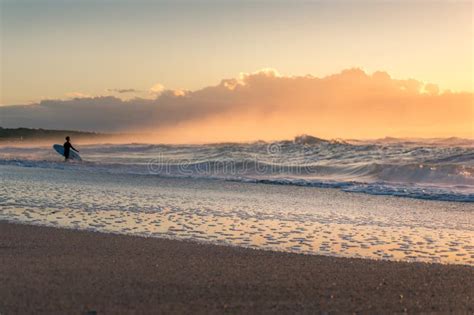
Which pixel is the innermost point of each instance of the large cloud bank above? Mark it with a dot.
(265, 105)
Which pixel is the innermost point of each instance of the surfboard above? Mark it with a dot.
(73, 155)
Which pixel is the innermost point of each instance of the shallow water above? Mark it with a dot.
(275, 217)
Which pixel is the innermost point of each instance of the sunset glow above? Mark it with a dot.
(236, 156)
(232, 71)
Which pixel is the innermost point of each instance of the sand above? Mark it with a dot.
(50, 270)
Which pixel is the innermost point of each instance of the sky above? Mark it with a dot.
(140, 52)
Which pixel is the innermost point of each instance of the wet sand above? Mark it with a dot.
(276, 217)
(49, 270)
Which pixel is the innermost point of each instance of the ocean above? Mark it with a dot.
(393, 200)
(425, 169)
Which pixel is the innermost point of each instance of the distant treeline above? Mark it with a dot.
(27, 134)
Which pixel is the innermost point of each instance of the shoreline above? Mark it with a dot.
(54, 270)
(219, 244)
(296, 219)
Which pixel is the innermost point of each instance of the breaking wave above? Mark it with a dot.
(436, 171)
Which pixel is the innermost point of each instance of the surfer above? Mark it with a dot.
(67, 147)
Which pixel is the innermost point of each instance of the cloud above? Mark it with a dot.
(157, 89)
(266, 105)
(123, 91)
(77, 95)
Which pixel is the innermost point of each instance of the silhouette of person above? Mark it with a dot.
(67, 148)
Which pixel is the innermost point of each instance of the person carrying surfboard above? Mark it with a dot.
(67, 147)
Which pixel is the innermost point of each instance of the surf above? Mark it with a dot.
(435, 170)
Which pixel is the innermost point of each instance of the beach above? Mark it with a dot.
(125, 233)
(51, 270)
(236, 157)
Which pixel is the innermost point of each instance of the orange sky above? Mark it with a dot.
(55, 49)
(171, 68)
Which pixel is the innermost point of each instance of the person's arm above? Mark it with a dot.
(74, 148)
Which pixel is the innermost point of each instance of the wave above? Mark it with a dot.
(425, 172)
